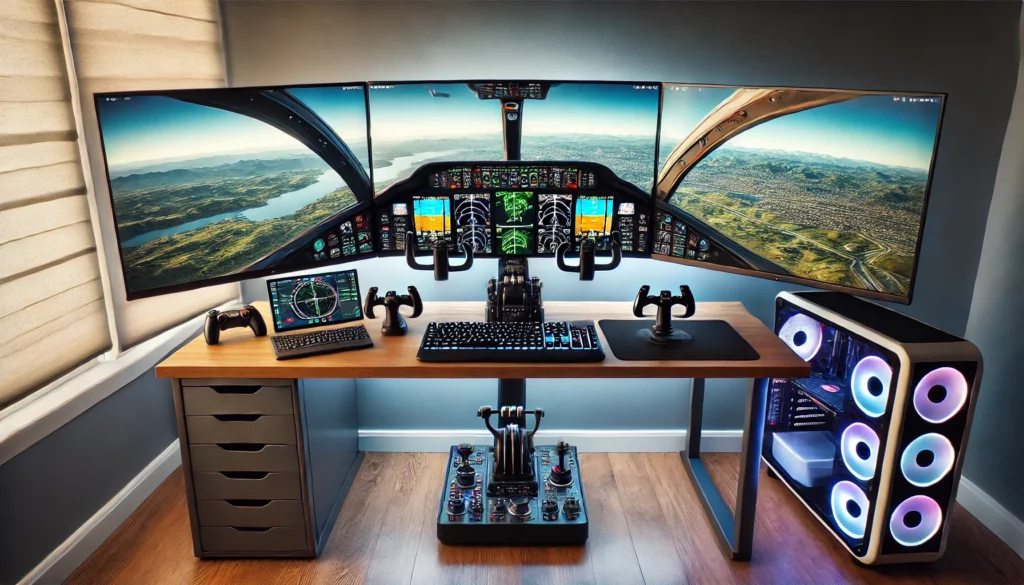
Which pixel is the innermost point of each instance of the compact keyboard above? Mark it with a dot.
(324, 341)
(472, 341)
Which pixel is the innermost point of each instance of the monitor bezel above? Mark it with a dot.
(800, 280)
(132, 295)
(270, 299)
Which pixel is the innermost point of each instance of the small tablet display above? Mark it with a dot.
(314, 300)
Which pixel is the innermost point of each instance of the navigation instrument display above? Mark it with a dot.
(314, 300)
(433, 220)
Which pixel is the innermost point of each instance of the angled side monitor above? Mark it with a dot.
(218, 185)
(815, 186)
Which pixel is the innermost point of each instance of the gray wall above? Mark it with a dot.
(49, 490)
(968, 50)
(995, 452)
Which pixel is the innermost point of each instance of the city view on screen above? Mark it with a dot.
(832, 190)
(204, 185)
(415, 123)
(613, 124)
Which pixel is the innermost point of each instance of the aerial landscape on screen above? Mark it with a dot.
(834, 193)
(200, 192)
(614, 124)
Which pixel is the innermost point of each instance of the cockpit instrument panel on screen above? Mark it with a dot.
(512, 209)
(515, 176)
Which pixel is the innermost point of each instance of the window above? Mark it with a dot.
(57, 311)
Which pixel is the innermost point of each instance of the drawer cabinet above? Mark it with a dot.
(248, 450)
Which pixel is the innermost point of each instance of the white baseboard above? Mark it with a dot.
(626, 441)
(992, 514)
(63, 561)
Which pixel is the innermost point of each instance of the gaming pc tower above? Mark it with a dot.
(872, 443)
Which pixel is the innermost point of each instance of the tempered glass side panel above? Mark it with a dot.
(825, 433)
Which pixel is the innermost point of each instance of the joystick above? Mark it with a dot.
(561, 475)
(465, 450)
(662, 332)
(588, 263)
(440, 267)
(394, 323)
(217, 321)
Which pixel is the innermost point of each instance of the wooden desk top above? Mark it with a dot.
(241, 355)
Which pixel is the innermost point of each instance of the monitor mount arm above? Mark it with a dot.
(441, 267)
(662, 331)
(588, 264)
(394, 323)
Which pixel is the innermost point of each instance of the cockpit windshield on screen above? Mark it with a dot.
(825, 185)
(613, 124)
(208, 183)
(822, 187)
(417, 123)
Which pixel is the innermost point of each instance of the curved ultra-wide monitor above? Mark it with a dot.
(823, 187)
(820, 187)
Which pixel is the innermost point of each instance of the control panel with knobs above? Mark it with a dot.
(543, 507)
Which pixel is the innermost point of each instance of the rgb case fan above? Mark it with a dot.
(873, 441)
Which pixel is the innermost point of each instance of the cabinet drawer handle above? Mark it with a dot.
(248, 503)
(249, 529)
(236, 389)
(238, 417)
(250, 447)
(245, 474)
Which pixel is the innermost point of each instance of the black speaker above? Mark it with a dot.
(873, 441)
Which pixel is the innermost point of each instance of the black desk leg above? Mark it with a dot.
(735, 534)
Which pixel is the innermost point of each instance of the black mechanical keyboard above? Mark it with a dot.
(550, 342)
(317, 342)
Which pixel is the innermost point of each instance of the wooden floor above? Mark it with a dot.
(647, 526)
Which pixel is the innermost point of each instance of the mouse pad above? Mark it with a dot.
(712, 340)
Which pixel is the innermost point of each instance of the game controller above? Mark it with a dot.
(247, 316)
(662, 331)
(394, 323)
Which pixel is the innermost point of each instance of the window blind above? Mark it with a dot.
(52, 313)
(127, 45)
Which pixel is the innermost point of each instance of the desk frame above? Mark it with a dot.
(239, 355)
(735, 532)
